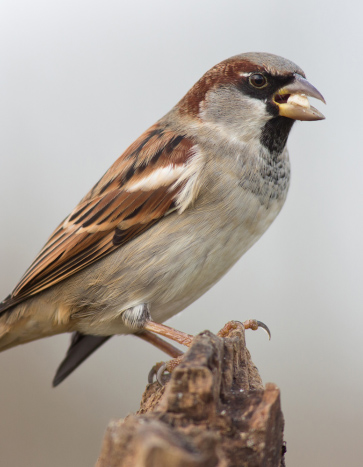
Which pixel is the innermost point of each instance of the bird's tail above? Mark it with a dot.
(29, 321)
(34, 319)
(81, 347)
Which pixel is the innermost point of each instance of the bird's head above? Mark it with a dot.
(253, 95)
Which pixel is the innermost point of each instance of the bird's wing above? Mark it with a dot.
(138, 190)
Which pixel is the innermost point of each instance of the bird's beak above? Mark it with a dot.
(293, 103)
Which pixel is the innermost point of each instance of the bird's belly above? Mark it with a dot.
(210, 257)
(173, 263)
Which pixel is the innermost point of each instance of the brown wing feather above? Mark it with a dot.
(111, 214)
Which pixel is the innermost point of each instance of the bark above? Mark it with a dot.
(214, 412)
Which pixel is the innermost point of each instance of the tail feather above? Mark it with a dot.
(81, 347)
(31, 320)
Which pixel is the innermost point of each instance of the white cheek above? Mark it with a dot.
(230, 112)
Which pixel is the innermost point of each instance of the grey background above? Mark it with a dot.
(79, 81)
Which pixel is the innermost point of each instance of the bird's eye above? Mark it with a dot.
(258, 81)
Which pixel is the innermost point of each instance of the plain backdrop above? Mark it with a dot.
(79, 81)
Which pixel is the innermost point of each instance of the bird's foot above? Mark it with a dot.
(159, 369)
(139, 319)
(248, 324)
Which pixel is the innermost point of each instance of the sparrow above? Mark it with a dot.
(170, 217)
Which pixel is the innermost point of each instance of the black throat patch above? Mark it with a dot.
(275, 133)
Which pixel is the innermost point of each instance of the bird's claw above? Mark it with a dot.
(159, 368)
(160, 374)
(254, 324)
(249, 324)
(154, 372)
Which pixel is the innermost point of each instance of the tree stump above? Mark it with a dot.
(214, 412)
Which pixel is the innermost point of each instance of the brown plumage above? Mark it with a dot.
(171, 216)
(110, 214)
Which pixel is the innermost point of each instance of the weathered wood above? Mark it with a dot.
(214, 412)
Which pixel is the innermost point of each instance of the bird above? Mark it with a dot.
(170, 217)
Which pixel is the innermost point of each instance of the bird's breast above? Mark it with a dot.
(183, 255)
(211, 238)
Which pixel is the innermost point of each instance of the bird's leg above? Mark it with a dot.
(164, 346)
(138, 318)
(170, 333)
(159, 343)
